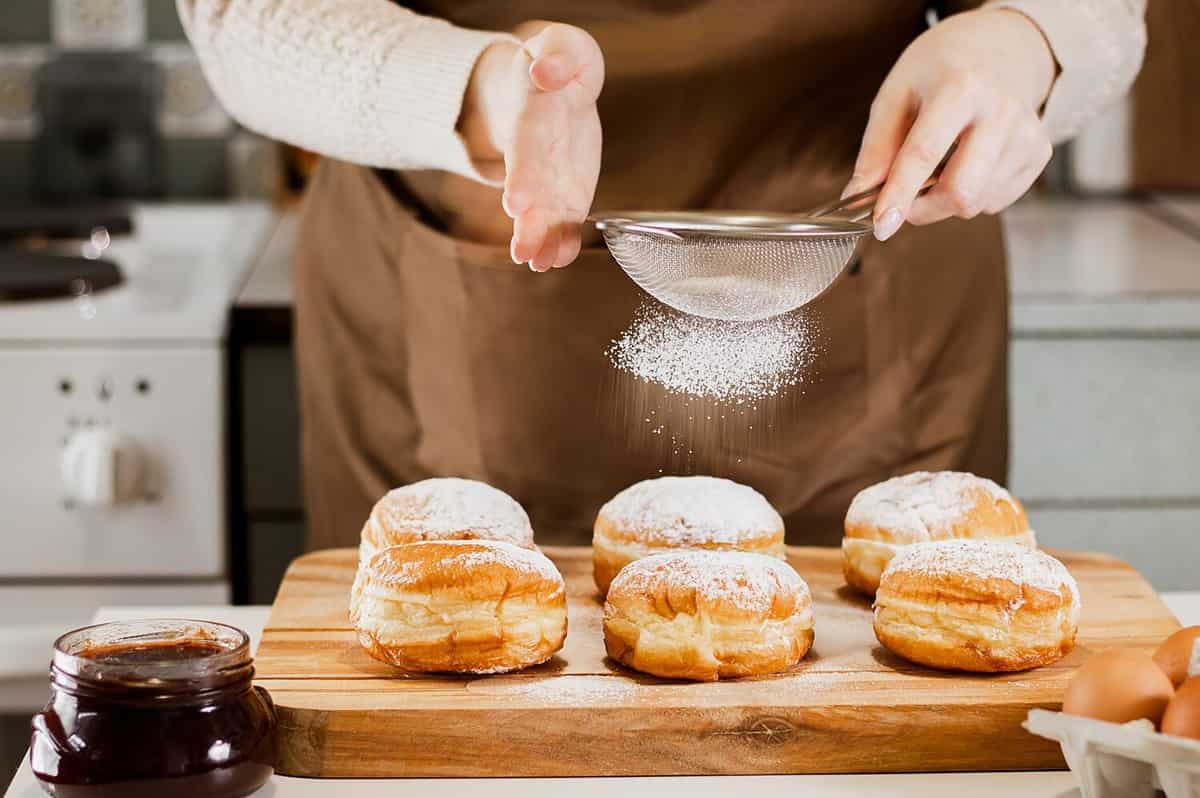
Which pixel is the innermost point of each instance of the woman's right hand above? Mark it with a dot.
(529, 118)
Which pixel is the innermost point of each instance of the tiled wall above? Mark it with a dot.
(207, 154)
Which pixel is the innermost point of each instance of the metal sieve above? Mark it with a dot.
(736, 266)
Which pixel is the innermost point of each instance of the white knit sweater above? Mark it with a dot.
(373, 83)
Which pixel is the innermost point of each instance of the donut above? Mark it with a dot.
(459, 606)
(976, 605)
(670, 513)
(920, 507)
(444, 509)
(708, 615)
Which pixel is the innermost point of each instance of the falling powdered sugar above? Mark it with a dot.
(728, 361)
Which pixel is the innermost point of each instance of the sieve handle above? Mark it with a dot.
(862, 204)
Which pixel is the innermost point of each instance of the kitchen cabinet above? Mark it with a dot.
(1109, 418)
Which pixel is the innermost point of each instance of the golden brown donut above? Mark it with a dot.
(444, 509)
(459, 606)
(977, 605)
(670, 513)
(920, 507)
(708, 615)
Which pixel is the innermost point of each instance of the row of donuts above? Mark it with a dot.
(696, 584)
(957, 580)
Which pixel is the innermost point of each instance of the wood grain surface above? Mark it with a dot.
(849, 707)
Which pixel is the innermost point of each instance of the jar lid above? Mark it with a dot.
(169, 655)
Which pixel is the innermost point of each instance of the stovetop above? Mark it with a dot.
(178, 273)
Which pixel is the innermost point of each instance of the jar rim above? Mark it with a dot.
(228, 661)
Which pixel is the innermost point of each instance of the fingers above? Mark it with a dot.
(996, 162)
(529, 237)
(548, 253)
(1028, 151)
(964, 183)
(568, 250)
(518, 195)
(528, 192)
(888, 123)
(937, 127)
(557, 246)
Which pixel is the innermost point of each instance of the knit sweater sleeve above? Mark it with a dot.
(359, 80)
(1099, 45)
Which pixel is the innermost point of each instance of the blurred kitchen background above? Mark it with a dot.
(149, 420)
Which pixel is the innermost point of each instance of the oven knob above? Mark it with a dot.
(102, 468)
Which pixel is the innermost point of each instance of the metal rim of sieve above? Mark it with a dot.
(682, 224)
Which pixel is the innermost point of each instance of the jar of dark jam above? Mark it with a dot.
(153, 708)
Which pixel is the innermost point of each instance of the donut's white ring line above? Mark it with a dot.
(999, 630)
(657, 638)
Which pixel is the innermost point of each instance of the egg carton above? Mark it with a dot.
(1121, 760)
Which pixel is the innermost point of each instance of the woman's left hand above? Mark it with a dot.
(970, 87)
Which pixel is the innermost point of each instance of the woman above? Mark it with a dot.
(466, 138)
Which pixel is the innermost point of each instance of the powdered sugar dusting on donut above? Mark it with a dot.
(748, 581)
(985, 559)
(445, 507)
(476, 554)
(922, 504)
(693, 511)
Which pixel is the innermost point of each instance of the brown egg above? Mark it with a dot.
(1119, 686)
(1182, 717)
(1175, 653)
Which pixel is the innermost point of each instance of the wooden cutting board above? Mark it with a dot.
(849, 707)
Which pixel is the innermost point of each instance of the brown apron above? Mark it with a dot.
(423, 352)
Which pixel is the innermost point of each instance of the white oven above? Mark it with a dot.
(112, 433)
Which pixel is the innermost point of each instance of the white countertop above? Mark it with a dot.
(1075, 266)
(1101, 267)
(181, 269)
(1051, 784)
(1182, 207)
(270, 282)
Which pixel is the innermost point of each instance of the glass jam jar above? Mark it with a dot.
(156, 707)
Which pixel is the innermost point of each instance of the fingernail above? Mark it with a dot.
(888, 224)
(532, 268)
(851, 187)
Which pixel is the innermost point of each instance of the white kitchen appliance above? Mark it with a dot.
(112, 429)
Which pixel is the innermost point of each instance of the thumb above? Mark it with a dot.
(886, 130)
(552, 71)
(562, 53)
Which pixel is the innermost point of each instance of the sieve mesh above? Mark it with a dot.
(730, 277)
